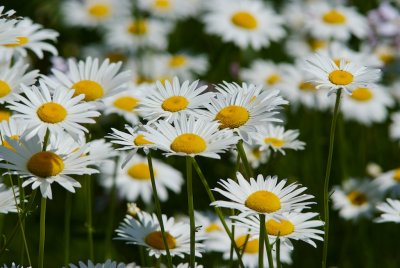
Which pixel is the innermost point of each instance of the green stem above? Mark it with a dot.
(191, 210)
(261, 241)
(67, 226)
(327, 175)
(42, 231)
(22, 209)
(158, 209)
(217, 210)
(242, 153)
(278, 252)
(111, 212)
(89, 223)
(269, 248)
(46, 139)
(237, 166)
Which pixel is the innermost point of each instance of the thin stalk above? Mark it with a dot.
(327, 175)
(46, 139)
(111, 212)
(233, 214)
(158, 209)
(269, 248)
(67, 226)
(242, 153)
(22, 208)
(191, 210)
(89, 223)
(261, 241)
(217, 210)
(278, 252)
(42, 231)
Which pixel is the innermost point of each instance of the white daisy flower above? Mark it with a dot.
(13, 129)
(146, 232)
(100, 152)
(170, 9)
(243, 108)
(394, 129)
(265, 73)
(245, 23)
(367, 105)
(346, 75)
(184, 65)
(209, 223)
(300, 45)
(31, 36)
(386, 53)
(13, 265)
(355, 199)
(289, 226)
(277, 138)
(42, 168)
(126, 103)
(390, 211)
(189, 136)
(93, 81)
(107, 264)
(335, 22)
(7, 25)
(92, 13)
(296, 88)
(187, 265)
(12, 76)
(133, 181)
(262, 196)
(255, 156)
(130, 34)
(54, 112)
(171, 100)
(389, 182)
(8, 198)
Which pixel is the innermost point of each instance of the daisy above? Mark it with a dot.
(245, 23)
(262, 196)
(92, 13)
(346, 75)
(386, 53)
(244, 109)
(8, 196)
(170, 9)
(300, 45)
(107, 264)
(184, 65)
(93, 81)
(338, 22)
(130, 34)
(208, 224)
(389, 182)
(187, 265)
(367, 105)
(133, 181)
(189, 136)
(126, 103)
(355, 199)
(7, 25)
(12, 76)
(55, 112)
(255, 156)
(146, 232)
(13, 129)
(171, 100)
(5, 115)
(42, 168)
(265, 73)
(390, 211)
(289, 226)
(31, 36)
(277, 138)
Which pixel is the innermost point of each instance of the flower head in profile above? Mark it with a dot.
(107, 264)
(390, 211)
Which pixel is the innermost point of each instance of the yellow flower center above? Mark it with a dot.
(386, 57)
(175, 104)
(99, 10)
(357, 198)
(275, 142)
(232, 116)
(244, 20)
(213, 227)
(51, 112)
(115, 56)
(140, 171)
(340, 77)
(273, 79)
(45, 164)
(334, 17)
(126, 103)
(7, 145)
(362, 94)
(280, 228)
(316, 44)
(5, 89)
(5, 115)
(188, 143)
(251, 245)
(396, 175)
(162, 4)
(263, 202)
(140, 140)
(256, 153)
(91, 89)
(21, 40)
(177, 61)
(138, 27)
(307, 86)
(155, 240)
